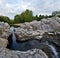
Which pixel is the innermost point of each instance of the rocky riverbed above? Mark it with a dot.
(5, 36)
(36, 39)
(44, 30)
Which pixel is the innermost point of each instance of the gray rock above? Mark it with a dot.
(3, 42)
(4, 34)
(34, 53)
(36, 29)
(4, 30)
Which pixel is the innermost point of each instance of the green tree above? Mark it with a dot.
(25, 16)
(41, 17)
(5, 19)
(35, 17)
(18, 19)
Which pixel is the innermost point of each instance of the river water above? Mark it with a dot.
(30, 44)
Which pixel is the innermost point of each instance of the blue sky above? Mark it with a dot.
(12, 7)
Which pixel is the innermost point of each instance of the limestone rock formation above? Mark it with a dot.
(36, 29)
(4, 30)
(34, 53)
(3, 42)
(4, 34)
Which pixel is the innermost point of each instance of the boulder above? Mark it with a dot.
(4, 30)
(3, 42)
(35, 25)
(4, 34)
(36, 29)
(24, 34)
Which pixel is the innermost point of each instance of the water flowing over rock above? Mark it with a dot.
(36, 29)
(34, 53)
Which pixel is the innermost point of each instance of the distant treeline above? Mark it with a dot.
(27, 16)
(6, 19)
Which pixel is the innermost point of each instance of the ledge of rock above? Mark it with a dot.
(34, 53)
(57, 40)
(36, 29)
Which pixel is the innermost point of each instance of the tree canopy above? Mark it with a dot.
(27, 16)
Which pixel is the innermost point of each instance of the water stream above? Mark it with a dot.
(53, 49)
(23, 46)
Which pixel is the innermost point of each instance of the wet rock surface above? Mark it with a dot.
(52, 37)
(34, 53)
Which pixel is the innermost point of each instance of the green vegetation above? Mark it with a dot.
(6, 19)
(27, 16)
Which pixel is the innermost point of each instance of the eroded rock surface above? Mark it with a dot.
(4, 34)
(34, 53)
(3, 42)
(36, 29)
(4, 30)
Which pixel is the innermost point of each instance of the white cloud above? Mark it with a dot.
(13, 7)
(2, 1)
